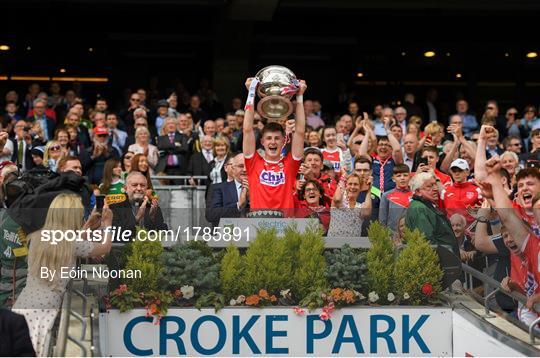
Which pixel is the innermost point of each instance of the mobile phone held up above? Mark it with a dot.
(100, 200)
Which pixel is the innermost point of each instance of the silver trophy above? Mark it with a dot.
(277, 85)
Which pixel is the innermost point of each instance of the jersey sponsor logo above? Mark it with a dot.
(469, 195)
(272, 178)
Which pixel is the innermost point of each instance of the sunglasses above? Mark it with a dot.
(512, 113)
(102, 135)
(358, 142)
(54, 148)
(135, 99)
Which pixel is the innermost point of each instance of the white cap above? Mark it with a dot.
(460, 163)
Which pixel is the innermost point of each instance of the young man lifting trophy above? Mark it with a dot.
(272, 175)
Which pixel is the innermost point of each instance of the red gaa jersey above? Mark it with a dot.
(459, 196)
(271, 184)
(531, 250)
(333, 156)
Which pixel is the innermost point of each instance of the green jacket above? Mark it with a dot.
(422, 215)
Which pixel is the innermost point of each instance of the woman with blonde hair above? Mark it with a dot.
(42, 297)
(347, 214)
(142, 146)
(52, 155)
(220, 150)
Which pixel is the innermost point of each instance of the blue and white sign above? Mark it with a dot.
(354, 331)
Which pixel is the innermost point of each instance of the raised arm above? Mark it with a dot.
(507, 213)
(297, 146)
(364, 147)
(248, 144)
(367, 205)
(480, 158)
(397, 155)
(482, 241)
(357, 129)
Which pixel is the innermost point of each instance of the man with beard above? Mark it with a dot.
(138, 209)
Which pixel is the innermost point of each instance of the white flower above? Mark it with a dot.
(373, 296)
(187, 291)
(285, 293)
(359, 295)
(232, 302)
(390, 297)
(406, 296)
(241, 299)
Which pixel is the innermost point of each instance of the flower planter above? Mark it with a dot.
(243, 331)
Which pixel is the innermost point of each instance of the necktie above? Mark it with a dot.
(20, 153)
(170, 158)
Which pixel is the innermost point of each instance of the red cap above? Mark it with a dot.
(101, 130)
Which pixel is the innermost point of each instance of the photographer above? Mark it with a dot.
(23, 142)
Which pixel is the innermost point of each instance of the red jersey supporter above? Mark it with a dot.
(272, 177)
(462, 194)
(312, 204)
(431, 156)
(528, 185)
(521, 233)
(394, 202)
(312, 170)
(335, 149)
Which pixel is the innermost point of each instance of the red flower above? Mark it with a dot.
(324, 316)
(122, 288)
(299, 311)
(427, 289)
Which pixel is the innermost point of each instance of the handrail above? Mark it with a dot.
(62, 335)
(63, 328)
(95, 346)
(489, 281)
(181, 177)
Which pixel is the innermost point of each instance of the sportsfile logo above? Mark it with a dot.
(271, 178)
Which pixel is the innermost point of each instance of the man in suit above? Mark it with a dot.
(47, 124)
(138, 209)
(174, 150)
(14, 335)
(199, 163)
(230, 198)
(22, 146)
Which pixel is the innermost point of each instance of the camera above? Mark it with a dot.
(423, 161)
(27, 128)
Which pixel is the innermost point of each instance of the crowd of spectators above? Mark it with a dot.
(466, 181)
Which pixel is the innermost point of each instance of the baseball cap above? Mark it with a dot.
(40, 150)
(460, 163)
(239, 112)
(101, 131)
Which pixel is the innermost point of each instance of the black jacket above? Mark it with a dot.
(198, 166)
(124, 218)
(14, 335)
(179, 148)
